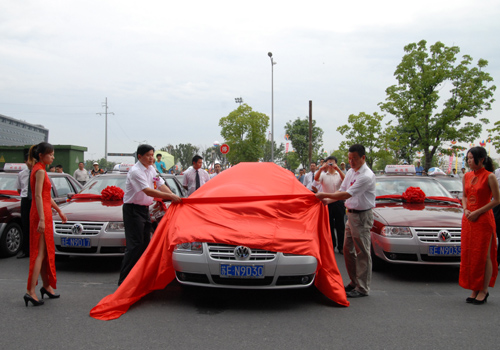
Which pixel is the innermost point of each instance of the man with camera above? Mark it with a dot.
(330, 177)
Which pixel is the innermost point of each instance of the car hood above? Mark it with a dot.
(92, 210)
(10, 202)
(418, 214)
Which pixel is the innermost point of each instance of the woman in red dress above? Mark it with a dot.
(42, 256)
(478, 266)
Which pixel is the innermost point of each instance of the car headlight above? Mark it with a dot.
(115, 226)
(193, 247)
(396, 231)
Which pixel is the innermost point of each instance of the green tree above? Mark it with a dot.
(298, 132)
(495, 135)
(422, 75)
(291, 161)
(367, 130)
(279, 152)
(244, 130)
(183, 153)
(341, 155)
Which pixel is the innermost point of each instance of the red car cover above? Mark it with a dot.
(259, 205)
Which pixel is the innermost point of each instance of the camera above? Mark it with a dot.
(330, 164)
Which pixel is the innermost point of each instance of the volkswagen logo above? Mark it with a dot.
(242, 252)
(444, 236)
(77, 229)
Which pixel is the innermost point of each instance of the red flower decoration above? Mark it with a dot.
(414, 195)
(112, 193)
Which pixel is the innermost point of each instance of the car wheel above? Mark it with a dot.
(10, 243)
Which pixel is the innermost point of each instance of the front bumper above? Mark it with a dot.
(281, 271)
(102, 242)
(417, 249)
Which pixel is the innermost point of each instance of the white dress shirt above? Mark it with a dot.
(81, 175)
(22, 182)
(309, 181)
(139, 178)
(330, 183)
(189, 179)
(361, 186)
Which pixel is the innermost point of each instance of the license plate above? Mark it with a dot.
(75, 242)
(444, 250)
(242, 271)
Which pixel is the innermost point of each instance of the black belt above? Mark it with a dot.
(357, 211)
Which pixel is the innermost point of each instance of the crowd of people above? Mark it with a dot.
(348, 193)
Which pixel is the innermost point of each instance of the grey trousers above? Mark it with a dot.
(357, 245)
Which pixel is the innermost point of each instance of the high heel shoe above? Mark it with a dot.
(470, 300)
(49, 294)
(480, 302)
(35, 302)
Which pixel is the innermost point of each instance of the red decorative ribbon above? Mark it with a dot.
(112, 193)
(414, 195)
(9, 192)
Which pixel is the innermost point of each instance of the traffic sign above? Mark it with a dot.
(224, 149)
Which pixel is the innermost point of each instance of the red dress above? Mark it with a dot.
(49, 260)
(476, 236)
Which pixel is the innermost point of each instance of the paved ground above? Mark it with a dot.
(409, 308)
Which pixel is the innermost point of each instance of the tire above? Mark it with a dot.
(11, 240)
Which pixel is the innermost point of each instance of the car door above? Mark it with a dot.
(61, 187)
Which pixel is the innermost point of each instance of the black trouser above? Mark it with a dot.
(137, 235)
(336, 212)
(496, 212)
(25, 219)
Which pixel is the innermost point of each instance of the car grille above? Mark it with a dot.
(430, 235)
(89, 228)
(226, 252)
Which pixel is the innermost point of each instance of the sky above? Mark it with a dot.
(171, 70)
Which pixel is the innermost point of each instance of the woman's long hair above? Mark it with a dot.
(42, 148)
(480, 153)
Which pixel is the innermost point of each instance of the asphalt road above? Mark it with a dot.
(410, 307)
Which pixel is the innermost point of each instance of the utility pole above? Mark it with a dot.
(105, 105)
(310, 130)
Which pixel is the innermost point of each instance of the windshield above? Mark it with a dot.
(431, 188)
(97, 184)
(451, 184)
(8, 182)
(173, 186)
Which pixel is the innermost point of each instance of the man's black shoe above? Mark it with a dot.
(355, 294)
(349, 287)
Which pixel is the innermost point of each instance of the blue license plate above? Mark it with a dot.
(242, 271)
(444, 250)
(75, 242)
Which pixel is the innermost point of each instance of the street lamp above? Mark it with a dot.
(239, 100)
(270, 54)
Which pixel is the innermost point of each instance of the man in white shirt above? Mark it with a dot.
(142, 185)
(358, 191)
(195, 177)
(309, 181)
(330, 177)
(217, 170)
(81, 175)
(24, 189)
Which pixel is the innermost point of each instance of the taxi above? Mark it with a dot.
(10, 204)
(95, 223)
(416, 220)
